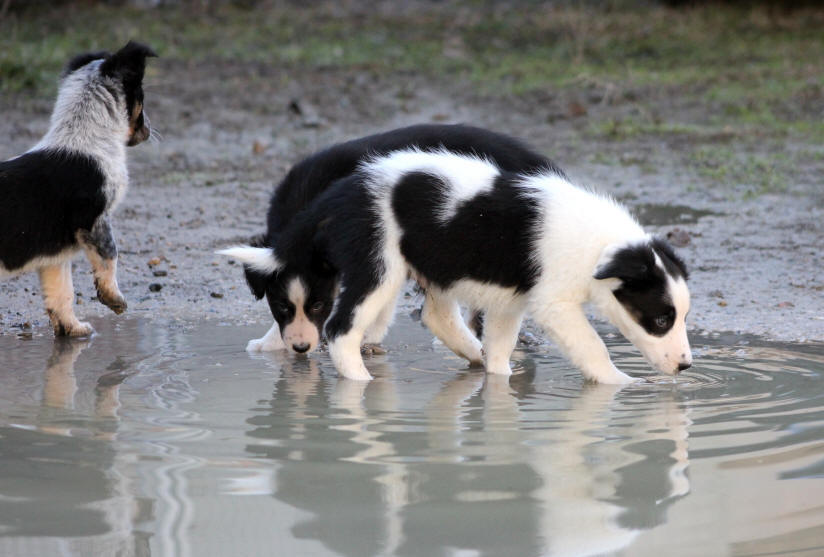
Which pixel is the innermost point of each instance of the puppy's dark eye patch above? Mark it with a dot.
(282, 308)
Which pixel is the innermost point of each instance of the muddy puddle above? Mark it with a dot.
(652, 214)
(161, 439)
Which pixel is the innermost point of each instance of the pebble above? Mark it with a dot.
(678, 237)
(155, 287)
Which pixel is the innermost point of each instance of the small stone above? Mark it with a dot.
(216, 295)
(722, 303)
(155, 287)
(154, 261)
(160, 273)
(716, 294)
(528, 339)
(415, 314)
(678, 237)
(576, 109)
(785, 305)
(258, 147)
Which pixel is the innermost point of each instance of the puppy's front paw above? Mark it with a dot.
(265, 345)
(112, 300)
(614, 376)
(358, 373)
(77, 329)
(117, 304)
(476, 358)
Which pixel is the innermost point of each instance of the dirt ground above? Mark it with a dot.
(230, 131)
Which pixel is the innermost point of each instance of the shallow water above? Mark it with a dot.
(658, 215)
(166, 440)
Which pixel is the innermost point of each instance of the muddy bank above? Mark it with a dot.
(755, 259)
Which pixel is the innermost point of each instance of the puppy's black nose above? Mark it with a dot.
(304, 346)
(682, 367)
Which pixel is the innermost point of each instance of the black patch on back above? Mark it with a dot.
(81, 60)
(47, 196)
(489, 238)
(313, 175)
(643, 291)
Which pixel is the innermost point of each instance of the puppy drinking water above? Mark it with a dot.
(509, 244)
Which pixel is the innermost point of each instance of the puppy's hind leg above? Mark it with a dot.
(58, 293)
(269, 342)
(500, 336)
(442, 316)
(101, 252)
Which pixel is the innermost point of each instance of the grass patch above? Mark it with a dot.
(751, 175)
(751, 67)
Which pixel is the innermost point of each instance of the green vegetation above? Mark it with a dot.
(739, 73)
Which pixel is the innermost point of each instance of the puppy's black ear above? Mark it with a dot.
(81, 60)
(630, 264)
(257, 281)
(128, 63)
(674, 264)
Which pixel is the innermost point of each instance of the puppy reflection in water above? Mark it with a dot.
(60, 383)
(438, 462)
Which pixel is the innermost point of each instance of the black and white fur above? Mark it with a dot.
(508, 244)
(300, 296)
(57, 197)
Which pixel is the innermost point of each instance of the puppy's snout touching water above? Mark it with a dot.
(304, 347)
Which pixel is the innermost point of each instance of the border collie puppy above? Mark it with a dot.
(509, 244)
(301, 303)
(58, 196)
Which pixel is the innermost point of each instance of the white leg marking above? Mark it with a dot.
(377, 331)
(58, 293)
(345, 349)
(269, 342)
(442, 315)
(570, 328)
(345, 353)
(500, 336)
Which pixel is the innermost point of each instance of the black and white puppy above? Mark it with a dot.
(58, 196)
(509, 244)
(300, 295)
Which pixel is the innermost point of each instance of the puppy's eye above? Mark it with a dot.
(662, 321)
(316, 307)
(280, 307)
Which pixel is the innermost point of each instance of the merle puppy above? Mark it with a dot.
(301, 304)
(58, 196)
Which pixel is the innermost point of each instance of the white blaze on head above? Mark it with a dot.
(300, 334)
